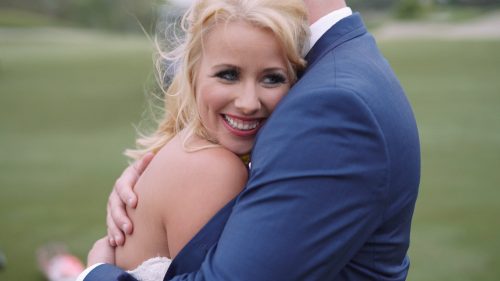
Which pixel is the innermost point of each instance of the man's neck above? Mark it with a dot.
(319, 8)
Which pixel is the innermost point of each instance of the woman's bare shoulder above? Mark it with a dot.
(215, 168)
(206, 180)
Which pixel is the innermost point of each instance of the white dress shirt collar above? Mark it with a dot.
(322, 25)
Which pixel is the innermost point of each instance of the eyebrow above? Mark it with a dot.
(225, 65)
(232, 66)
(272, 69)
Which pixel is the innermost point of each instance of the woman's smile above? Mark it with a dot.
(241, 126)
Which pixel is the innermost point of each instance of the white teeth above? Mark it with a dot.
(241, 125)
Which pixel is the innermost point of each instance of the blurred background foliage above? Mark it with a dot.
(75, 77)
(116, 14)
(109, 14)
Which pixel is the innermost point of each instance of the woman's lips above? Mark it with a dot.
(242, 126)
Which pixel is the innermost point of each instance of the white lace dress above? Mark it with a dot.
(153, 269)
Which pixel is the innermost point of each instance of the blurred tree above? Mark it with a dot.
(387, 4)
(131, 14)
(112, 14)
(373, 4)
(409, 9)
(472, 2)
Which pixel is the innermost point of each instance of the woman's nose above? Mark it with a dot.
(248, 101)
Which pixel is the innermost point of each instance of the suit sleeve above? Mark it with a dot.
(315, 194)
(106, 272)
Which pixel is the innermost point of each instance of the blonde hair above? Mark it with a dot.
(287, 20)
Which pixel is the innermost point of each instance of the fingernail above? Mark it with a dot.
(125, 227)
(111, 241)
(129, 201)
(117, 239)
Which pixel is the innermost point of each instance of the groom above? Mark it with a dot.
(334, 178)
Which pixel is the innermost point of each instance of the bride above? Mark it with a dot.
(237, 60)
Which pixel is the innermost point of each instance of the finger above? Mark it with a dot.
(112, 228)
(141, 164)
(113, 231)
(115, 236)
(126, 183)
(118, 216)
(124, 187)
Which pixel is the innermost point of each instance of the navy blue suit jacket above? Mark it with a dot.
(334, 178)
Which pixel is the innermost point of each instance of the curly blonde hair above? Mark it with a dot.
(287, 20)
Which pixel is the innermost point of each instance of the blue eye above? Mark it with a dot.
(229, 75)
(274, 79)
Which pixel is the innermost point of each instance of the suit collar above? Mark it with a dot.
(346, 29)
(321, 26)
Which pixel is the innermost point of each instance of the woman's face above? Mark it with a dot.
(241, 78)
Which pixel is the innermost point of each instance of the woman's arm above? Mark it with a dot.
(101, 252)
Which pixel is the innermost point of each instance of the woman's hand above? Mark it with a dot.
(121, 196)
(101, 252)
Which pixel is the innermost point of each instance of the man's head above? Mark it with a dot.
(318, 8)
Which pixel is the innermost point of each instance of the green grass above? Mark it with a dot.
(68, 99)
(454, 88)
(67, 102)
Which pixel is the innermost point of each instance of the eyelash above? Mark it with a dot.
(232, 75)
(276, 79)
(224, 75)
